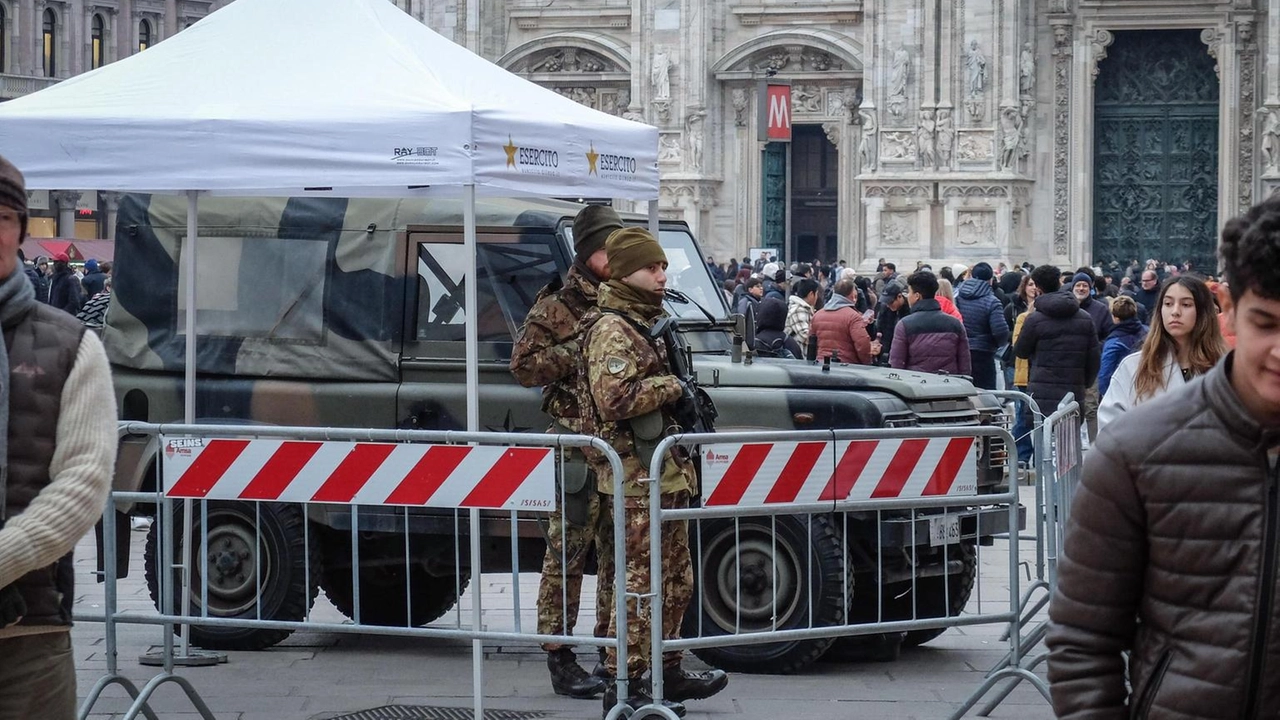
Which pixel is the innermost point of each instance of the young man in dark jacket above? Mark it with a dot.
(984, 321)
(929, 340)
(1060, 341)
(1082, 286)
(1171, 550)
(771, 337)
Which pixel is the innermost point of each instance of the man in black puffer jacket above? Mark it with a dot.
(1060, 341)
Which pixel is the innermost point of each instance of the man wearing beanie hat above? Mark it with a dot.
(627, 380)
(547, 354)
(984, 322)
(57, 448)
(1082, 285)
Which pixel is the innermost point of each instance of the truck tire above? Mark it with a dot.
(932, 603)
(382, 587)
(287, 592)
(728, 592)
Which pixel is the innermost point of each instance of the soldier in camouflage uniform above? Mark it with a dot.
(547, 354)
(626, 379)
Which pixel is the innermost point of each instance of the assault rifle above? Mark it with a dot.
(695, 411)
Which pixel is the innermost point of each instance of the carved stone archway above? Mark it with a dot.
(589, 68)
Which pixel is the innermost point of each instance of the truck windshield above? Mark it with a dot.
(687, 273)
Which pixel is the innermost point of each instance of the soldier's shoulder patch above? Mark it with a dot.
(616, 365)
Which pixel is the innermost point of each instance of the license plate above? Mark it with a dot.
(944, 530)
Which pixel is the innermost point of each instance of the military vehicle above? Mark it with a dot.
(349, 313)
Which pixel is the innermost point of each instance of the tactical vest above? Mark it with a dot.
(42, 351)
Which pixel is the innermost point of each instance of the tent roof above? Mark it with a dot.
(289, 96)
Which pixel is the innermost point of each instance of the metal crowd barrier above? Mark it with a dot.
(925, 477)
(1059, 456)
(398, 470)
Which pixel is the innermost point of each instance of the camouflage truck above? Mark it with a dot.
(349, 313)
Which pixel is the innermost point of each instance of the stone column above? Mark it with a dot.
(1246, 153)
(77, 34)
(66, 201)
(112, 202)
(170, 18)
(1062, 70)
(124, 29)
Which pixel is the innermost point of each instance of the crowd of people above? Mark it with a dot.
(1045, 330)
(80, 290)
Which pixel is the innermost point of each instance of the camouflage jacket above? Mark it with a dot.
(548, 351)
(625, 375)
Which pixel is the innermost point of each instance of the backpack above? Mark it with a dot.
(775, 349)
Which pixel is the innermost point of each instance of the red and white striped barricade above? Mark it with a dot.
(360, 473)
(769, 473)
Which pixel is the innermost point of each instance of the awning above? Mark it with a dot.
(100, 250)
(34, 247)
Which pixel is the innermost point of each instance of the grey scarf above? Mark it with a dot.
(17, 298)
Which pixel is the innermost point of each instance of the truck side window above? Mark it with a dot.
(512, 268)
(253, 287)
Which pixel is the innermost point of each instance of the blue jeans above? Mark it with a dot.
(1022, 426)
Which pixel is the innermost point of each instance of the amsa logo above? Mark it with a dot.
(713, 457)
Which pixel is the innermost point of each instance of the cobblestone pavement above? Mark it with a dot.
(318, 675)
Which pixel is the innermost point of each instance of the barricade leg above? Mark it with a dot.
(140, 703)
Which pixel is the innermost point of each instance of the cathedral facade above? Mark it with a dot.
(1067, 131)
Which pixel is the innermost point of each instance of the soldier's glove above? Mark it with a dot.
(686, 407)
(12, 606)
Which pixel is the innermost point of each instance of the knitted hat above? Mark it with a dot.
(1082, 277)
(958, 269)
(631, 249)
(61, 257)
(91, 265)
(591, 228)
(981, 271)
(13, 192)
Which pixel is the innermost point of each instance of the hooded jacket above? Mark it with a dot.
(771, 317)
(799, 318)
(1101, 316)
(1170, 554)
(929, 340)
(983, 316)
(840, 327)
(1124, 339)
(1060, 341)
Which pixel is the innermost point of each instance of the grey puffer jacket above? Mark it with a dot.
(1171, 553)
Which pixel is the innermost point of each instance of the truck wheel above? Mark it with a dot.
(736, 579)
(233, 554)
(382, 587)
(932, 602)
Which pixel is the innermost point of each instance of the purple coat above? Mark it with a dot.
(929, 340)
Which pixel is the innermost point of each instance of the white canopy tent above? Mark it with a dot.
(342, 97)
(338, 97)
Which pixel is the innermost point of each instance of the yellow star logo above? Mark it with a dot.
(510, 149)
(592, 156)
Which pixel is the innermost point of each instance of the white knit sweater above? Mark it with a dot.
(83, 461)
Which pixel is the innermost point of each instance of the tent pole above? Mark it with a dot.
(472, 310)
(653, 217)
(189, 399)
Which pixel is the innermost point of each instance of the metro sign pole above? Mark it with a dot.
(774, 115)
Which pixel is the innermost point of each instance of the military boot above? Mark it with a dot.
(640, 696)
(601, 670)
(680, 684)
(568, 677)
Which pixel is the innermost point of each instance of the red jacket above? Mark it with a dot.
(844, 330)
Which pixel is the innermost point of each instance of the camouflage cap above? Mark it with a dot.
(591, 227)
(631, 249)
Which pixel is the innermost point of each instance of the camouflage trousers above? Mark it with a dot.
(560, 590)
(677, 579)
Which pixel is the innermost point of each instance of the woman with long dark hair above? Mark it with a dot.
(1183, 343)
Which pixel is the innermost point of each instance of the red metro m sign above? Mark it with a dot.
(775, 111)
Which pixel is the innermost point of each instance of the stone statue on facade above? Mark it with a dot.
(669, 148)
(867, 143)
(976, 67)
(661, 75)
(740, 104)
(1270, 141)
(695, 137)
(1010, 137)
(925, 141)
(1026, 70)
(899, 77)
(946, 137)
